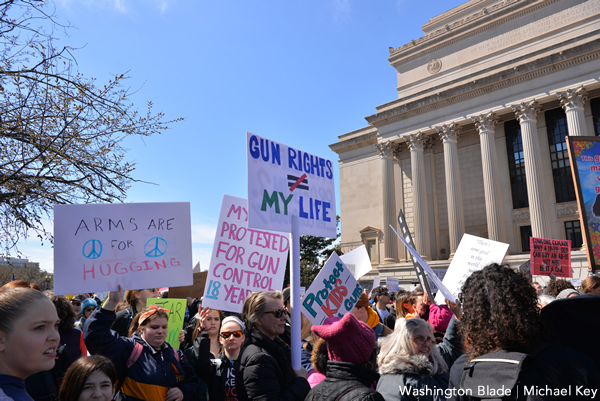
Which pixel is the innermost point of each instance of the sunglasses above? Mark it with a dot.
(278, 313)
(89, 309)
(226, 334)
(76, 303)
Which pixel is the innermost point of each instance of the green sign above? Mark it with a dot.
(176, 314)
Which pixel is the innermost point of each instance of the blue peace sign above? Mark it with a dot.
(92, 249)
(155, 247)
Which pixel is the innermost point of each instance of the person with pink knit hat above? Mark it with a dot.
(352, 365)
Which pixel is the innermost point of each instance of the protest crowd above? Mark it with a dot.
(506, 338)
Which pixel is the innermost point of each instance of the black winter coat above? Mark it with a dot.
(211, 371)
(264, 371)
(346, 381)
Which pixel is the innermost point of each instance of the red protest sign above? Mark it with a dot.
(550, 256)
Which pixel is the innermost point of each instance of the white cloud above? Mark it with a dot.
(203, 234)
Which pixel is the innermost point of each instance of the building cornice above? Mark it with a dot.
(501, 79)
(490, 17)
(355, 141)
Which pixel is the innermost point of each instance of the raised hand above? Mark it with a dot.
(114, 297)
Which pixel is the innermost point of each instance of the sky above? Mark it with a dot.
(298, 72)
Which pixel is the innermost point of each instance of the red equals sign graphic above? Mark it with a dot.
(296, 182)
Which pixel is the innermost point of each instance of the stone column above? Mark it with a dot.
(419, 188)
(388, 151)
(572, 101)
(456, 219)
(485, 124)
(527, 113)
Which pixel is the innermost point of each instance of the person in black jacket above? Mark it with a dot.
(263, 369)
(352, 365)
(508, 354)
(219, 373)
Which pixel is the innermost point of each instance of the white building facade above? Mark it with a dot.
(475, 141)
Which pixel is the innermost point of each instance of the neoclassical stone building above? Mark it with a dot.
(475, 141)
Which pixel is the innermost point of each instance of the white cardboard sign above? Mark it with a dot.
(284, 181)
(243, 259)
(391, 283)
(360, 261)
(334, 292)
(473, 253)
(137, 245)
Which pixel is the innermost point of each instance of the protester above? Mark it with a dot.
(286, 336)
(263, 369)
(539, 290)
(363, 312)
(390, 319)
(568, 293)
(411, 360)
(20, 284)
(87, 307)
(135, 301)
(155, 371)
(505, 333)
(352, 365)
(219, 373)
(44, 386)
(210, 320)
(28, 339)
(319, 359)
(89, 378)
(440, 317)
(591, 285)
(308, 339)
(381, 295)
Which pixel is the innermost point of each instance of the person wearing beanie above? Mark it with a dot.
(263, 370)
(411, 359)
(351, 369)
(87, 307)
(363, 312)
(568, 293)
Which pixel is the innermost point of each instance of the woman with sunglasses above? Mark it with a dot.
(87, 307)
(135, 301)
(264, 369)
(148, 368)
(218, 373)
(410, 359)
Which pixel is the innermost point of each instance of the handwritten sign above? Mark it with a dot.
(550, 256)
(334, 292)
(176, 314)
(284, 181)
(584, 155)
(137, 245)
(473, 253)
(376, 282)
(243, 259)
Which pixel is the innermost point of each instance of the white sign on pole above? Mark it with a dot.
(391, 283)
(376, 282)
(137, 245)
(334, 292)
(243, 259)
(359, 258)
(284, 181)
(473, 253)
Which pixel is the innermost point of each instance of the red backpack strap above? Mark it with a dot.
(135, 354)
(176, 355)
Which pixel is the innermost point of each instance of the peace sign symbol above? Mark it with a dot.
(155, 247)
(92, 249)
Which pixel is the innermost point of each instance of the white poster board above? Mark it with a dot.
(359, 259)
(391, 283)
(137, 245)
(284, 181)
(334, 292)
(243, 260)
(376, 282)
(473, 253)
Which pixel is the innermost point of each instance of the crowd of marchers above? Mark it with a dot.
(506, 337)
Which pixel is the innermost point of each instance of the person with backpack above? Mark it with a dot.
(508, 355)
(148, 368)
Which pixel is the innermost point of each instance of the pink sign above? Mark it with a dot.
(550, 256)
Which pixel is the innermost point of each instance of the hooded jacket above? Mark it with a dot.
(411, 378)
(211, 371)
(154, 372)
(346, 381)
(264, 371)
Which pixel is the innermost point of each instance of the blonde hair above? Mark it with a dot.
(400, 342)
(255, 305)
(590, 283)
(14, 301)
